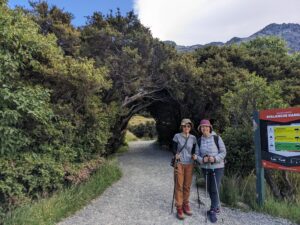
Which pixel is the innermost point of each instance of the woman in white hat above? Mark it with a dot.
(184, 146)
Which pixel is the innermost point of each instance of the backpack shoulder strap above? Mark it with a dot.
(216, 139)
(199, 142)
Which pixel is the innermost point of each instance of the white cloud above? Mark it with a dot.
(190, 22)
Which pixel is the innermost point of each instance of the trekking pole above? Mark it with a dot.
(219, 201)
(198, 194)
(199, 201)
(196, 166)
(206, 189)
(175, 184)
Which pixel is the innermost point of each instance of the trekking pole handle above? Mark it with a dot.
(208, 156)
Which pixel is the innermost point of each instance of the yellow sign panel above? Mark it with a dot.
(287, 129)
(287, 134)
(287, 139)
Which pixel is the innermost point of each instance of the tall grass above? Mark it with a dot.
(283, 209)
(65, 203)
(235, 189)
(229, 191)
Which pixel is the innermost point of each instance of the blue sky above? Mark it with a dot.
(82, 8)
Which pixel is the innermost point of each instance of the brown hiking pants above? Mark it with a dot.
(183, 176)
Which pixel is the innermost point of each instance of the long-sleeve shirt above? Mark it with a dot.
(190, 148)
(209, 147)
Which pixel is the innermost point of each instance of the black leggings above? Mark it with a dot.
(211, 186)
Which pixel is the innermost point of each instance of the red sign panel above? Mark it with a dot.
(280, 115)
(271, 165)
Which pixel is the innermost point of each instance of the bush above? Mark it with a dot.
(65, 202)
(30, 176)
(144, 130)
(51, 111)
(240, 150)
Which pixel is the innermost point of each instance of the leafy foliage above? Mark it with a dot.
(51, 112)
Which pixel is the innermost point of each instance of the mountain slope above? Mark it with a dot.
(290, 32)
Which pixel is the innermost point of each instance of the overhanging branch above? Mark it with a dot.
(139, 96)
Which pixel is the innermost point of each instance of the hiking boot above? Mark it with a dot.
(180, 214)
(187, 210)
(212, 216)
(217, 210)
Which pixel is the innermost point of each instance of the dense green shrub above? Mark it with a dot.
(51, 110)
(240, 150)
(250, 94)
(144, 130)
(66, 202)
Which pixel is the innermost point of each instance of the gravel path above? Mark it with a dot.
(143, 196)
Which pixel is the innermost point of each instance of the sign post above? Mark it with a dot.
(260, 184)
(277, 143)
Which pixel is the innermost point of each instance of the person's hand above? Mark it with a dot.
(194, 157)
(177, 156)
(205, 159)
(211, 159)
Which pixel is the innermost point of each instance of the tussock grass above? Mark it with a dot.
(282, 209)
(235, 189)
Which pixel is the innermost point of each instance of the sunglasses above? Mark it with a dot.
(186, 126)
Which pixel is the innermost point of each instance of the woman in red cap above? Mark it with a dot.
(211, 157)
